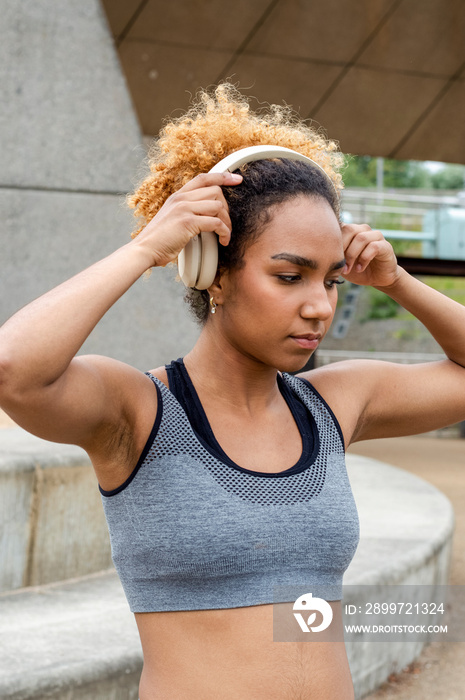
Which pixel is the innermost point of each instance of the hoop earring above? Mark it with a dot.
(213, 306)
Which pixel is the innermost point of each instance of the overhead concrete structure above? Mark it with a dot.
(383, 77)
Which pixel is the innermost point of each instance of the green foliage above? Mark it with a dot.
(360, 171)
(449, 178)
(381, 306)
(405, 173)
(410, 249)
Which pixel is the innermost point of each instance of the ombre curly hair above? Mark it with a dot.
(219, 122)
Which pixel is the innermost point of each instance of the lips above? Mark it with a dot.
(309, 341)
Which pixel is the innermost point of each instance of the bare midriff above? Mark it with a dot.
(230, 654)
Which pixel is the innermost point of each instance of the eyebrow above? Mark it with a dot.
(306, 262)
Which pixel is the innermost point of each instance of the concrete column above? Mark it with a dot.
(71, 148)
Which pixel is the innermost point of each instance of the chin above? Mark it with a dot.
(293, 365)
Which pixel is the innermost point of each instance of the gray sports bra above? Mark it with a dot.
(192, 530)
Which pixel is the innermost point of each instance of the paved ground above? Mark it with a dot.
(439, 673)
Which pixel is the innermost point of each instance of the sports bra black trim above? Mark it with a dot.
(184, 391)
(179, 382)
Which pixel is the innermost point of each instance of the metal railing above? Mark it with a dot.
(401, 216)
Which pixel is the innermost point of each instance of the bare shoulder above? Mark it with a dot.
(345, 386)
(340, 377)
(375, 399)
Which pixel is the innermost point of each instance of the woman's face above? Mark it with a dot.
(277, 308)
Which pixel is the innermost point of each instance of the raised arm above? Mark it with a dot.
(59, 397)
(388, 399)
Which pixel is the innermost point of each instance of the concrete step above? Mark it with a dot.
(52, 525)
(77, 640)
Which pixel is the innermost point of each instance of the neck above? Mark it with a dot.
(218, 369)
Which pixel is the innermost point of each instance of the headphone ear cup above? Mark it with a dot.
(208, 260)
(189, 261)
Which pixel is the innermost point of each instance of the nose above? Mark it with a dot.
(318, 304)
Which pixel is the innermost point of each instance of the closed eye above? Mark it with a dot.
(330, 283)
(288, 279)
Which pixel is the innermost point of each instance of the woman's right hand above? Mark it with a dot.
(198, 206)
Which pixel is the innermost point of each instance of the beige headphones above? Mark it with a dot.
(198, 262)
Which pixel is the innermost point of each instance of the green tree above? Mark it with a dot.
(360, 171)
(451, 177)
(406, 173)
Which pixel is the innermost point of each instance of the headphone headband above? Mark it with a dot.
(252, 153)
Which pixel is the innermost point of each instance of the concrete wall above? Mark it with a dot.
(71, 148)
(52, 525)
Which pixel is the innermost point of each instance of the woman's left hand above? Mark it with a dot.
(370, 258)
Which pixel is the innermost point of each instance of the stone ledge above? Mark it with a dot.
(51, 517)
(404, 523)
(75, 639)
(406, 530)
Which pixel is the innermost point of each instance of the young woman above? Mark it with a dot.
(222, 476)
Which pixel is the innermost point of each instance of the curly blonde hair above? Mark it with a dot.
(218, 123)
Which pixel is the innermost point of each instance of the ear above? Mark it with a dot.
(217, 288)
